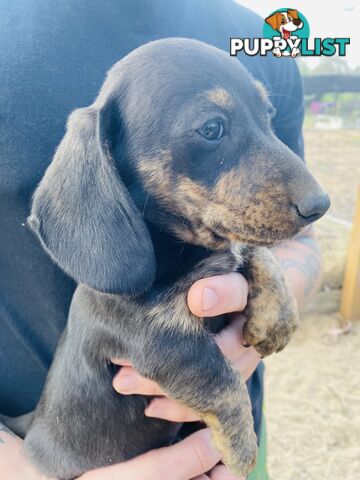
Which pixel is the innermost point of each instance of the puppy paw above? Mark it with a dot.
(295, 52)
(276, 52)
(241, 461)
(272, 315)
(275, 336)
(239, 452)
(233, 435)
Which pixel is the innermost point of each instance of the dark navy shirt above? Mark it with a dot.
(53, 58)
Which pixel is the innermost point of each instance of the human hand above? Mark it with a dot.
(14, 464)
(207, 297)
(192, 457)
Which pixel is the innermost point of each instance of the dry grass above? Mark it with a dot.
(313, 388)
(313, 405)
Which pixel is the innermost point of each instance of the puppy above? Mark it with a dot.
(173, 174)
(285, 23)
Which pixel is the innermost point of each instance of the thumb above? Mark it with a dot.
(213, 296)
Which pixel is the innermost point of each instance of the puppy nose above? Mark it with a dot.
(312, 208)
(297, 21)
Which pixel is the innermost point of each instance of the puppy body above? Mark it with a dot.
(89, 424)
(172, 175)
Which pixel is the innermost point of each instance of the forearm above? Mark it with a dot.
(302, 263)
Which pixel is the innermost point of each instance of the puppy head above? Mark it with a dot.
(206, 165)
(285, 22)
(179, 136)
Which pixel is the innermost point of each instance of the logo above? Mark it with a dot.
(286, 27)
(286, 33)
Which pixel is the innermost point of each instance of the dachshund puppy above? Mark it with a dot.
(173, 174)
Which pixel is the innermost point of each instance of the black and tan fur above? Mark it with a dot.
(136, 206)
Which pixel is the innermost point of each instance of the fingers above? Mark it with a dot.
(128, 381)
(217, 295)
(231, 341)
(193, 456)
(187, 459)
(168, 409)
(247, 364)
(220, 472)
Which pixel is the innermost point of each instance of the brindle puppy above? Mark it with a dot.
(173, 174)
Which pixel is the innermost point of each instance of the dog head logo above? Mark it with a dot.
(286, 25)
(285, 22)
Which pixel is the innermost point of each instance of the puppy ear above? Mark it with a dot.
(293, 13)
(273, 20)
(84, 215)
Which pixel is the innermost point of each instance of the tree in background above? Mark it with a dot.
(328, 66)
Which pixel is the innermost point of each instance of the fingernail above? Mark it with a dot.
(209, 299)
(126, 383)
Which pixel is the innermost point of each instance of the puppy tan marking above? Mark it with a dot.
(220, 97)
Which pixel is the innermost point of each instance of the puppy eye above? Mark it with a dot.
(212, 129)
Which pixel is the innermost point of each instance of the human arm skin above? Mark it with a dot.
(301, 261)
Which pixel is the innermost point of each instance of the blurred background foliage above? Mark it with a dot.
(332, 110)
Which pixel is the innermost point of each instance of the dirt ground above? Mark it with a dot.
(312, 402)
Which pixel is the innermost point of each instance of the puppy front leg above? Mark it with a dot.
(191, 369)
(272, 314)
(176, 351)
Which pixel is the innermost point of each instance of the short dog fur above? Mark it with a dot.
(173, 174)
